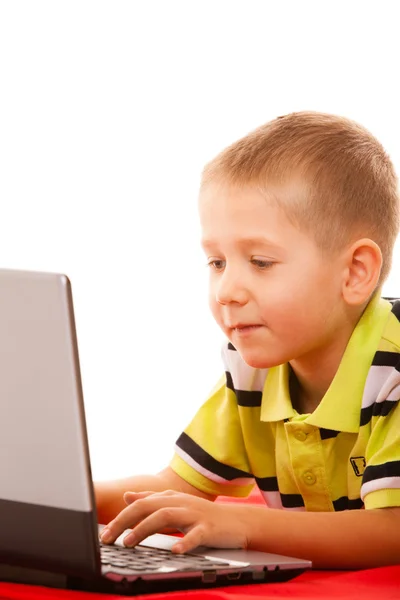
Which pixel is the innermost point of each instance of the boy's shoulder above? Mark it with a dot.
(390, 339)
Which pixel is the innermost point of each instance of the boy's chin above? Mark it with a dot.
(258, 360)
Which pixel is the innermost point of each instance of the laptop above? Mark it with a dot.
(49, 533)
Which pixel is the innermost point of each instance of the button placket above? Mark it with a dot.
(309, 478)
(307, 465)
(300, 435)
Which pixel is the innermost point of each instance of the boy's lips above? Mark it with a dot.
(245, 327)
(242, 325)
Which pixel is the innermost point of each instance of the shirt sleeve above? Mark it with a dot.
(381, 479)
(210, 454)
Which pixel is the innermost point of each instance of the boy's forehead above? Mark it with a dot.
(244, 215)
(228, 201)
(270, 193)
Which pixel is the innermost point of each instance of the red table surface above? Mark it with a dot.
(382, 583)
(372, 584)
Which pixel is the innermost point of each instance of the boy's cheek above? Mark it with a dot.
(215, 309)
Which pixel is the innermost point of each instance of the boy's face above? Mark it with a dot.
(272, 292)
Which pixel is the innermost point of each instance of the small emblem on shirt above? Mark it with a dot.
(358, 463)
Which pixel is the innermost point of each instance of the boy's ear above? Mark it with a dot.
(363, 268)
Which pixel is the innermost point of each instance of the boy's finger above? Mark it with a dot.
(190, 541)
(130, 497)
(173, 517)
(136, 512)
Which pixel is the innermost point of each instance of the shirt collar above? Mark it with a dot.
(340, 408)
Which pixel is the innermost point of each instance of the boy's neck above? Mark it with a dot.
(310, 377)
(304, 400)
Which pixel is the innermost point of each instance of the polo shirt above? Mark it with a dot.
(344, 455)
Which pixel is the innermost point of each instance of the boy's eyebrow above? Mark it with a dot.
(245, 242)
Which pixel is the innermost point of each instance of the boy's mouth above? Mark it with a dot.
(242, 328)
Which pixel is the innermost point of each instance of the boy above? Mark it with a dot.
(299, 219)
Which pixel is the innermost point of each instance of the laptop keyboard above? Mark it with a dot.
(143, 559)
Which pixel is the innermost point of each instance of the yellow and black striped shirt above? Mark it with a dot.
(345, 455)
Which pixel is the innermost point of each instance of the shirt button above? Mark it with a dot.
(309, 478)
(300, 435)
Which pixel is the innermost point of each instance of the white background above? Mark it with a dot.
(108, 112)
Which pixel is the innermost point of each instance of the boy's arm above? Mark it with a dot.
(354, 539)
(109, 494)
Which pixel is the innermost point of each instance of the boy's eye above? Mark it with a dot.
(216, 264)
(261, 263)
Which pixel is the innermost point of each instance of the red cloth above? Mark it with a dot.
(254, 498)
(382, 583)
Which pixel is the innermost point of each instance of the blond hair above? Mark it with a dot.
(351, 184)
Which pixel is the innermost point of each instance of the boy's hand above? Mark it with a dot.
(202, 521)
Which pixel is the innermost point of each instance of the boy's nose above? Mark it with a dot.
(230, 289)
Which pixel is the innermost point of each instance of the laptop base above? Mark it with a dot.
(28, 576)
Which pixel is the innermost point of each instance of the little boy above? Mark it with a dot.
(299, 219)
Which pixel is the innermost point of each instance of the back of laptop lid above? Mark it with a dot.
(47, 511)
